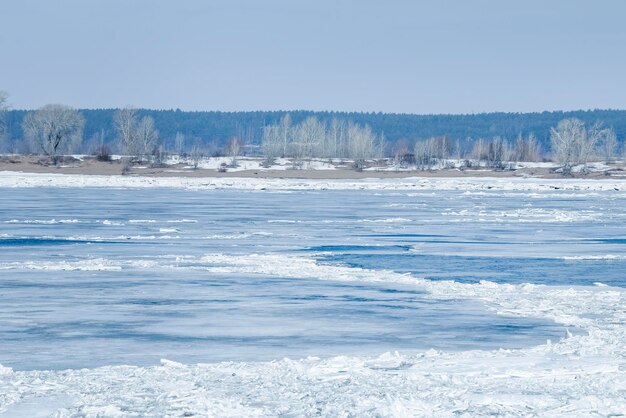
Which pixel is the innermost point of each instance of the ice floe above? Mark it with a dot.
(582, 374)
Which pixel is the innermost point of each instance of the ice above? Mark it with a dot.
(43, 221)
(596, 257)
(95, 264)
(581, 374)
(16, 179)
(541, 382)
(523, 215)
(530, 249)
(388, 220)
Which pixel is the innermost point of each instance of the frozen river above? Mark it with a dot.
(93, 277)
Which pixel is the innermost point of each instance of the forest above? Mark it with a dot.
(213, 129)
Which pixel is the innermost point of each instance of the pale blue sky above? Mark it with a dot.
(394, 56)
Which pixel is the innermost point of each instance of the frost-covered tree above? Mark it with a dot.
(3, 108)
(233, 149)
(313, 138)
(594, 136)
(458, 150)
(527, 149)
(337, 135)
(271, 143)
(138, 137)
(125, 123)
(307, 136)
(361, 142)
(382, 143)
(54, 128)
(565, 140)
(497, 153)
(424, 154)
(196, 153)
(285, 132)
(573, 144)
(442, 146)
(608, 145)
(179, 143)
(429, 152)
(480, 150)
(147, 135)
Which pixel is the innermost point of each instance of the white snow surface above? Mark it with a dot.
(253, 163)
(468, 184)
(580, 375)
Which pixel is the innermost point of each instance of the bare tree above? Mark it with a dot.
(125, 122)
(54, 128)
(3, 108)
(179, 143)
(442, 147)
(480, 150)
(429, 152)
(138, 137)
(337, 134)
(608, 145)
(286, 133)
(312, 138)
(233, 148)
(458, 151)
(565, 140)
(271, 143)
(527, 149)
(147, 136)
(594, 136)
(573, 144)
(382, 143)
(424, 154)
(498, 153)
(196, 153)
(361, 142)
(307, 135)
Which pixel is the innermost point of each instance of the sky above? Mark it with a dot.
(403, 56)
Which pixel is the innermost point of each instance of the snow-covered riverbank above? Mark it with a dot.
(17, 179)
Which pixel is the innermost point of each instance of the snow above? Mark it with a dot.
(251, 164)
(469, 184)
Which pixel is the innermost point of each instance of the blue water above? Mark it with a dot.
(144, 312)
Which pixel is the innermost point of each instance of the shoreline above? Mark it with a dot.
(117, 167)
(14, 179)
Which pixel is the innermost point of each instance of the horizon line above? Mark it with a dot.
(334, 111)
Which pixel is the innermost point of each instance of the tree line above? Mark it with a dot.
(219, 127)
(572, 143)
(313, 138)
(55, 129)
